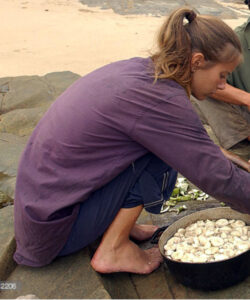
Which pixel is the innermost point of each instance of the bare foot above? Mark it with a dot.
(142, 232)
(128, 257)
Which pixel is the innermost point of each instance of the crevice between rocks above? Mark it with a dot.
(7, 264)
(134, 285)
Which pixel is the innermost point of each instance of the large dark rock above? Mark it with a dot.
(7, 242)
(11, 147)
(23, 102)
(33, 91)
(22, 121)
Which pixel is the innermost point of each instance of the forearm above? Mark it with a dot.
(233, 95)
(237, 160)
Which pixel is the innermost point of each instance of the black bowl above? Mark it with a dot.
(212, 275)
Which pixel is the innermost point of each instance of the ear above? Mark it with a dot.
(197, 61)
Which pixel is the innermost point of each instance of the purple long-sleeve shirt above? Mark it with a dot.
(96, 129)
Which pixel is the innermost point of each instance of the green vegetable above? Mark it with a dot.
(181, 193)
(178, 209)
(176, 192)
(182, 198)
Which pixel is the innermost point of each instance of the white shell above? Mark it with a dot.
(209, 240)
(238, 223)
(223, 236)
(201, 258)
(225, 229)
(211, 250)
(220, 257)
(209, 232)
(235, 233)
(203, 240)
(244, 237)
(178, 255)
(216, 241)
(244, 246)
(198, 231)
(221, 222)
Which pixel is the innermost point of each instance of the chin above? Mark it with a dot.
(199, 97)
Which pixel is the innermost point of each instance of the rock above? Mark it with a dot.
(30, 296)
(25, 92)
(152, 286)
(100, 293)
(11, 147)
(33, 91)
(7, 187)
(5, 200)
(24, 100)
(7, 242)
(22, 122)
(59, 81)
(119, 286)
(69, 277)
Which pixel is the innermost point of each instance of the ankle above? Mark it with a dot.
(113, 244)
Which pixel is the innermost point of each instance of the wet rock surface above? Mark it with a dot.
(224, 9)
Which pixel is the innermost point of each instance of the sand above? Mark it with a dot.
(42, 36)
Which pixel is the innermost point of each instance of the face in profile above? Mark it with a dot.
(209, 78)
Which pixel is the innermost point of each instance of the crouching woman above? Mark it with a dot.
(113, 143)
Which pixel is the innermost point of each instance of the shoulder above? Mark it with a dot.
(172, 111)
(243, 29)
(136, 79)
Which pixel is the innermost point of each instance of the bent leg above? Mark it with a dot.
(99, 210)
(230, 123)
(141, 184)
(117, 253)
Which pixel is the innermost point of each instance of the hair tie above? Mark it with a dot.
(190, 16)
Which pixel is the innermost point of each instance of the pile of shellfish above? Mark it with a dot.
(209, 241)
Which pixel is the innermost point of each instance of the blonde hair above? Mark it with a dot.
(178, 41)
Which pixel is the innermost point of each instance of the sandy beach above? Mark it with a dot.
(42, 36)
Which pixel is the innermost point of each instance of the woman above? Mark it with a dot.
(113, 142)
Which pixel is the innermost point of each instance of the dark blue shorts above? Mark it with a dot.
(148, 181)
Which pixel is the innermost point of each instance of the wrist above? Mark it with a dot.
(246, 99)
